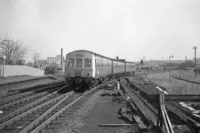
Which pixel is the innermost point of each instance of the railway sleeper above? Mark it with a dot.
(62, 111)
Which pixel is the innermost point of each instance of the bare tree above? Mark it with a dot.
(13, 50)
(36, 57)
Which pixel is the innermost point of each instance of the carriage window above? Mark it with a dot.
(79, 63)
(105, 64)
(88, 62)
(70, 63)
(98, 63)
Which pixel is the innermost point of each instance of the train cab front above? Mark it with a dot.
(75, 82)
(81, 84)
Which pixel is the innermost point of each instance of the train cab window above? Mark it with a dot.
(70, 63)
(88, 62)
(79, 62)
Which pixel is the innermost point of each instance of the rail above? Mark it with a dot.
(159, 118)
(18, 113)
(163, 119)
(177, 98)
(172, 105)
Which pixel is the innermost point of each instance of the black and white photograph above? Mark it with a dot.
(99, 66)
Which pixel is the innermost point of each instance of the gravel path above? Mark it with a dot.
(97, 110)
(75, 122)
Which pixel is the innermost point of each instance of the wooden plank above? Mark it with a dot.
(115, 125)
(175, 98)
(189, 98)
(139, 122)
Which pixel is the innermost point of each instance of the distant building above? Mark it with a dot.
(51, 60)
(55, 60)
(59, 59)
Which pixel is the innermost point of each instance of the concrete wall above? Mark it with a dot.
(12, 70)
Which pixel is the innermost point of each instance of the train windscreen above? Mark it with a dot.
(88, 62)
(70, 62)
(79, 62)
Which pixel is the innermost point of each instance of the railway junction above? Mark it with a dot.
(129, 104)
(99, 66)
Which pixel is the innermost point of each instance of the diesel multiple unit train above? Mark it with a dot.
(84, 68)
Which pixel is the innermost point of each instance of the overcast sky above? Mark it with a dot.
(130, 29)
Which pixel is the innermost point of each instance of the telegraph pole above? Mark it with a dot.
(61, 61)
(195, 54)
(4, 57)
(171, 56)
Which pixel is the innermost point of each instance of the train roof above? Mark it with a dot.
(91, 53)
(101, 56)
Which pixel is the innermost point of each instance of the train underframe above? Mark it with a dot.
(81, 84)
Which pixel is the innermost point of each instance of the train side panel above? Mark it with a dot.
(130, 67)
(118, 67)
(103, 66)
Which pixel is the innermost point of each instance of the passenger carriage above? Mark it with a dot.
(83, 68)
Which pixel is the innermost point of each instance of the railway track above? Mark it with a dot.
(36, 88)
(26, 97)
(20, 103)
(47, 109)
(28, 120)
(172, 105)
(147, 109)
(151, 111)
(18, 94)
(58, 119)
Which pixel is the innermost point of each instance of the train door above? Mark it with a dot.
(79, 67)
